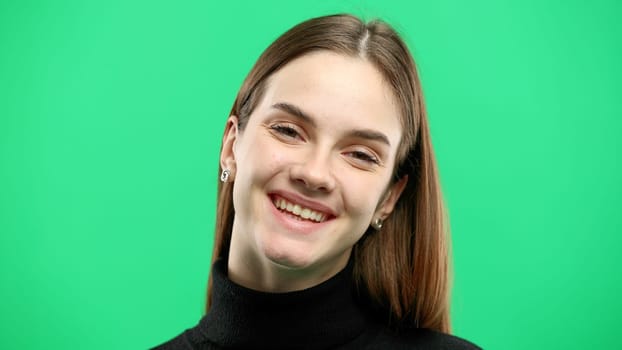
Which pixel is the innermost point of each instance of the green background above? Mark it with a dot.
(111, 114)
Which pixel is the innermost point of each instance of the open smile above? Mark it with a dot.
(300, 212)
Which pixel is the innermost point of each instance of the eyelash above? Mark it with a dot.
(285, 130)
(364, 157)
(291, 132)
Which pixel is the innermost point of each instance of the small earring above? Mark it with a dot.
(224, 176)
(377, 224)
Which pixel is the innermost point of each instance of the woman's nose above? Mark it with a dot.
(314, 172)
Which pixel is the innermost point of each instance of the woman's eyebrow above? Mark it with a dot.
(366, 134)
(371, 135)
(294, 111)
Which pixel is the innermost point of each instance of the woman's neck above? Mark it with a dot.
(263, 274)
(322, 317)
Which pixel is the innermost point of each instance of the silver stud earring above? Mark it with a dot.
(377, 224)
(224, 176)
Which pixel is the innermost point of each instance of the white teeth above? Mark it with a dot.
(297, 210)
(305, 213)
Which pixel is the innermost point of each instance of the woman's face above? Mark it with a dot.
(311, 170)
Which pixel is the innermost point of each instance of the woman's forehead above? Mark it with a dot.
(335, 87)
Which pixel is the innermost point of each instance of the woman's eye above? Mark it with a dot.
(364, 157)
(285, 130)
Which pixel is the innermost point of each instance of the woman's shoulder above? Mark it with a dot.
(415, 338)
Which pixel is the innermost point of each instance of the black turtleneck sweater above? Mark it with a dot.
(326, 316)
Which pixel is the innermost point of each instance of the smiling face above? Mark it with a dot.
(311, 170)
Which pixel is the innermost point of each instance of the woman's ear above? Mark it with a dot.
(227, 151)
(391, 197)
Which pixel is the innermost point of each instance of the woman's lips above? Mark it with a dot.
(295, 222)
(298, 211)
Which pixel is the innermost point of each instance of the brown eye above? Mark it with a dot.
(364, 157)
(285, 130)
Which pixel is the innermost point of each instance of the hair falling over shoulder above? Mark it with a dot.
(404, 267)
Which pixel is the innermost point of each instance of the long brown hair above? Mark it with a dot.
(403, 268)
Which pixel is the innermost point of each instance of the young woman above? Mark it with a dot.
(330, 227)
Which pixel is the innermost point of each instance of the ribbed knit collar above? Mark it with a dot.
(321, 317)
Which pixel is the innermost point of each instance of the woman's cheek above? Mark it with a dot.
(269, 162)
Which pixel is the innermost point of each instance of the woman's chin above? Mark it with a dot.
(289, 259)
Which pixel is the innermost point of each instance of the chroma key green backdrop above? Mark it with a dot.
(111, 114)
